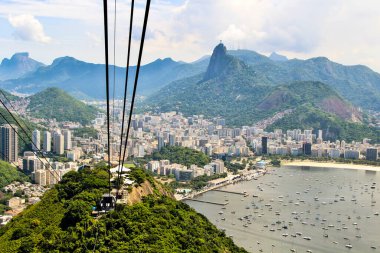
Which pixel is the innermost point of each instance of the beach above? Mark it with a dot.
(330, 165)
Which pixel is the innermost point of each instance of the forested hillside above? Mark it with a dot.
(61, 222)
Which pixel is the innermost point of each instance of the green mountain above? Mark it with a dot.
(56, 103)
(357, 84)
(243, 95)
(61, 222)
(334, 127)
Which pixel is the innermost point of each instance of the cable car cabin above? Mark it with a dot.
(107, 203)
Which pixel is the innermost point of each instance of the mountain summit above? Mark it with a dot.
(277, 57)
(221, 63)
(18, 65)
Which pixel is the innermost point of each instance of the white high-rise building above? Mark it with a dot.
(58, 143)
(67, 139)
(36, 137)
(47, 141)
(320, 132)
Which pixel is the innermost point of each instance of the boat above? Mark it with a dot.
(285, 235)
(307, 238)
(220, 212)
(349, 246)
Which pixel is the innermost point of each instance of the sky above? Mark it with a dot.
(345, 31)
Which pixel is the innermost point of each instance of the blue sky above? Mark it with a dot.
(346, 31)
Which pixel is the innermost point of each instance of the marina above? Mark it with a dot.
(300, 209)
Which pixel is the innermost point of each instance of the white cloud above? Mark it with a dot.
(233, 33)
(27, 27)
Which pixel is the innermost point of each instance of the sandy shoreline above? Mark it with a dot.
(330, 165)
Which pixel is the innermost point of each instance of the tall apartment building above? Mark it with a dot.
(58, 141)
(8, 143)
(67, 139)
(36, 138)
(264, 145)
(47, 142)
(371, 154)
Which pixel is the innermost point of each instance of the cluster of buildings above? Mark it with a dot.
(56, 142)
(184, 173)
(42, 170)
(297, 142)
(151, 132)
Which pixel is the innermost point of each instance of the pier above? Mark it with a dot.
(208, 202)
(239, 193)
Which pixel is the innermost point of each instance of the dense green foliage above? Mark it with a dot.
(308, 117)
(61, 222)
(182, 155)
(234, 167)
(55, 103)
(196, 183)
(9, 174)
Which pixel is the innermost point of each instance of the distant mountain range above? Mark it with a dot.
(87, 80)
(20, 64)
(357, 84)
(238, 91)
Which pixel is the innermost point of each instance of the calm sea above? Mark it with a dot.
(300, 209)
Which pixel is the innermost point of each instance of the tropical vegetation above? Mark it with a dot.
(55, 103)
(182, 155)
(62, 222)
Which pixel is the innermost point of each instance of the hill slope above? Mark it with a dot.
(238, 92)
(61, 222)
(55, 103)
